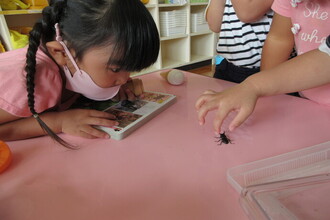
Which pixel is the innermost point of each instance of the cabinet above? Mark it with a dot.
(15, 19)
(176, 50)
(186, 48)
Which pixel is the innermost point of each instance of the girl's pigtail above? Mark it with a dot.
(30, 68)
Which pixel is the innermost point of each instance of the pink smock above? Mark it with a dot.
(13, 92)
(310, 26)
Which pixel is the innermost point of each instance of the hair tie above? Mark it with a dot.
(58, 32)
(295, 29)
(294, 3)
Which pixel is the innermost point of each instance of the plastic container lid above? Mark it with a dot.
(5, 156)
(294, 185)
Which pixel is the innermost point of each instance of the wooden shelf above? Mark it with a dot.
(181, 49)
(21, 12)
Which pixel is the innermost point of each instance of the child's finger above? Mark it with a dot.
(100, 121)
(91, 132)
(122, 94)
(219, 118)
(130, 95)
(203, 98)
(208, 92)
(101, 114)
(202, 112)
(200, 101)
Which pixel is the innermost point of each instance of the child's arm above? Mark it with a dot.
(251, 10)
(76, 122)
(279, 43)
(306, 71)
(130, 90)
(214, 14)
(246, 11)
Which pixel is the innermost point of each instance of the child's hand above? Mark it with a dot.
(126, 94)
(131, 90)
(241, 98)
(79, 122)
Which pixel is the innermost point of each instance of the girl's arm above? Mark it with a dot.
(246, 10)
(78, 122)
(251, 10)
(306, 71)
(279, 43)
(22, 128)
(214, 14)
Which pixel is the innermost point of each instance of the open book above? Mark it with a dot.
(131, 115)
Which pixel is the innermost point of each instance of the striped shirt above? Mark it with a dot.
(241, 43)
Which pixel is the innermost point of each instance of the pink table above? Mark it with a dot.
(171, 168)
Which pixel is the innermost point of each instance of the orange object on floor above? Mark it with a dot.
(5, 156)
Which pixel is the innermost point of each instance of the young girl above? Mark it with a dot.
(243, 27)
(82, 47)
(303, 24)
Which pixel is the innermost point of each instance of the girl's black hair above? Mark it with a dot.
(126, 25)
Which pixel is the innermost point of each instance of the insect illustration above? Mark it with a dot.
(223, 139)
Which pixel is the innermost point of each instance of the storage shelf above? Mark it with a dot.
(201, 33)
(181, 49)
(13, 19)
(170, 5)
(174, 37)
(21, 12)
(198, 58)
(151, 5)
(200, 3)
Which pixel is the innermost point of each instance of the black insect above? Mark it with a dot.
(223, 139)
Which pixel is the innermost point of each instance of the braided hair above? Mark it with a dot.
(125, 24)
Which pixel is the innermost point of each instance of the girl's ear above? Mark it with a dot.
(56, 50)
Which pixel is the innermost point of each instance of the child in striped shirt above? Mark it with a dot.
(243, 27)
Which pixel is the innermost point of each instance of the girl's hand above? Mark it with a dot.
(131, 90)
(241, 98)
(125, 94)
(79, 122)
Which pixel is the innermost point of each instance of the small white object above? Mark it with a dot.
(295, 29)
(325, 47)
(175, 77)
(294, 3)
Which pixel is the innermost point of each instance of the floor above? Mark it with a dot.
(204, 70)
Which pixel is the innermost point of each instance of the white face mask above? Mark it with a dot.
(81, 82)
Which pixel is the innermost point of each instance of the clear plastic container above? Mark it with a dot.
(198, 22)
(294, 185)
(198, 1)
(172, 22)
(302, 198)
